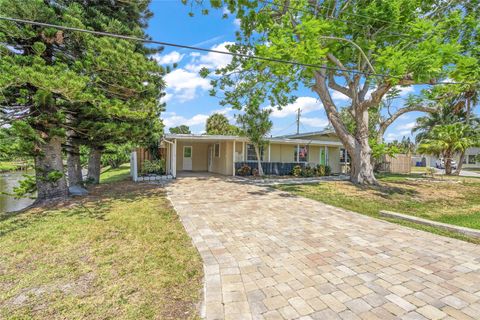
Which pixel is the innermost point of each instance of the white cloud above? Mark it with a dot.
(172, 57)
(173, 120)
(391, 136)
(406, 126)
(306, 105)
(205, 42)
(405, 91)
(211, 60)
(183, 84)
(338, 96)
(314, 122)
(166, 98)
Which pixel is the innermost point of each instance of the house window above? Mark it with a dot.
(303, 153)
(472, 159)
(216, 150)
(252, 155)
(344, 156)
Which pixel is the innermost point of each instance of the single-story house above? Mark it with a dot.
(226, 154)
(471, 160)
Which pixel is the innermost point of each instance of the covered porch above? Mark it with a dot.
(226, 154)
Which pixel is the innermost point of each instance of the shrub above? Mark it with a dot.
(328, 170)
(255, 172)
(245, 170)
(153, 167)
(320, 170)
(308, 172)
(297, 171)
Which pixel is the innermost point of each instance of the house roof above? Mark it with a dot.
(278, 140)
(309, 134)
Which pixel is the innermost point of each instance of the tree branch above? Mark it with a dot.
(335, 86)
(322, 90)
(340, 65)
(387, 122)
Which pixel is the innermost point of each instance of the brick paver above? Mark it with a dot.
(272, 255)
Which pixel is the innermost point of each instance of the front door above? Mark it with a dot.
(187, 158)
(210, 158)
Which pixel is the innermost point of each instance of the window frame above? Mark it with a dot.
(471, 156)
(262, 153)
(215, 150)
(298, 148)
(345, 155)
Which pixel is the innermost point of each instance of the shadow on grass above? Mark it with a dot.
(95, 205)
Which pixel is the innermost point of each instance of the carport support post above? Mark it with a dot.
(174, 159)
(326, 155)
(233, 157)
(134, 169)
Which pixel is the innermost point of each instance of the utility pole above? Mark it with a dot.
(298, 120)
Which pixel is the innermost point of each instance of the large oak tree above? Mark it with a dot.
(361, 49)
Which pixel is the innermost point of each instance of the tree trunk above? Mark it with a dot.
(50, 177)
(94, 165)
(74, 166)
(362, 168)
(448, 163)
(259, 161)
(361, 162)
(460, 164)
(357, 146)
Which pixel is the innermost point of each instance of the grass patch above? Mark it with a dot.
(12, 166)
(450, 201)
(110, 175)
(119, 253)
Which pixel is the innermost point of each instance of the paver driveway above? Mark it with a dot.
(271, 255)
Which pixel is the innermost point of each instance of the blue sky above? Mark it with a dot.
(188, 101)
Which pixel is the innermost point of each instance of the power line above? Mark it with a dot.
(176, 45)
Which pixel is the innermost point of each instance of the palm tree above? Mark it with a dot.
(447, 114)
(448, 140)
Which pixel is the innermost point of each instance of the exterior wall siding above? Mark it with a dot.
(199, 155)
(279, 153)
(334, 159)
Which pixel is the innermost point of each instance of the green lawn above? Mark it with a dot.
(10, 166)
(120, 253)
(451, 200)
(110, 175)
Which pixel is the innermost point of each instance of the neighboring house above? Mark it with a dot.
(472, 159)
(226, 154)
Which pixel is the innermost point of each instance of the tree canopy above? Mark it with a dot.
(182, 129)
(218, 123)
(362, 49)
(54, 82)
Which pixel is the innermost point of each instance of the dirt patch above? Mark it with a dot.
(79, 287)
